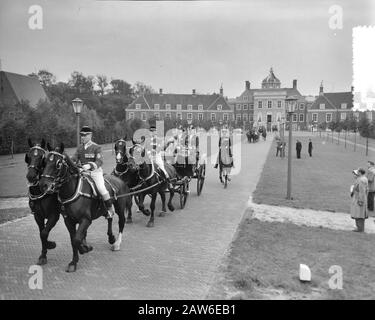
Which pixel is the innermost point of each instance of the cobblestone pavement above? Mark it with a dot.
(177, 259)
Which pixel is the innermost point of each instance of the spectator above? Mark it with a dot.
(310, 147)
(358, 206)
(371, 185)
(298, 149)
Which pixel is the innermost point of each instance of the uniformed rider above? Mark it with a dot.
(90, 157)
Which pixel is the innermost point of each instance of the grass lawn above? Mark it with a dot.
(263, 262)
(12, 214)
(321, 182)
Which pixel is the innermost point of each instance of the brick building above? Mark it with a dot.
(331, 106)
(179, 107)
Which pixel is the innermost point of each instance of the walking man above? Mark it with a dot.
(298, 149)
(310, 147)
(371, 185)
(358, 206)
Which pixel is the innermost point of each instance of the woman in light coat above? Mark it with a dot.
(358, 206)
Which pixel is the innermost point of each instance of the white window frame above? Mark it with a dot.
(369, 115)
(328, 114)
(302, 106)
(294, 117)
(238, 116)
(200, 116)
(131, 115)
(189, 116)
(157, 115)
(322, 106)
(279, 104)
(343, 116)
(200, 107)
(251, 106)
(299, 117)
(219, 107)
(213, 116)
(156, 106)
(167, 106)
(314, 115)
(269, 104)
(238, 107)
(168, 115)
(189, 107)
(245, 107)
(245, 117)
(138, 106)
(260, 104)
(143, 116)
(225, 116)
(344, 105)
(178, 107)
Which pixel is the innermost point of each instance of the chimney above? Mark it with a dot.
(193, 92)
(294, 84)
(221, 90)
(247, 85)
(161, 92)
(321, 89)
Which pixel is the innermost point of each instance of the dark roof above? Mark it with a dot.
(149, 100)
(250, 93)
(26, 88)
(333, 100)
(271, 78)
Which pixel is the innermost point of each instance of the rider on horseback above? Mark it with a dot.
(89, 155)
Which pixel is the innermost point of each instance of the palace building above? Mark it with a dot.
(266, 106)
(192, 107)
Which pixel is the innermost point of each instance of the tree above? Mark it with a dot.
(322, 126)
(121, 87)
(140, 89)
(101, 81)
(80, 83)
(45, 77)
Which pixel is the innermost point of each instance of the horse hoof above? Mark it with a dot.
(42, 261)
(150, 224)
(147, 213)
(171, 208)
(162, 214)
(129, 220)
(82, 249)
(51, 245)
(72, 267)
(115, 247)
(89, 248)
(111, 239)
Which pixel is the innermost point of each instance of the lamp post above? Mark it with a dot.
(77, 106)
(290, 108)
(283, 137)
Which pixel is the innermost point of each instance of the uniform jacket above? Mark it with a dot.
(371, 179)
(310, 146)
(360, 190)
(91, 155)
(299, 146)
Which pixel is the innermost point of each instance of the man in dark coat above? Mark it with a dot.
(298, 149)
(310, 148)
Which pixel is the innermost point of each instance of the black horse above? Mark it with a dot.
(81, 203)
(150, 179)
(45, 207)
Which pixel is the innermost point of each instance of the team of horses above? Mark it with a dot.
(59, 186)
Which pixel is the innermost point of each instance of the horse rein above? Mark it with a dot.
(60, 179)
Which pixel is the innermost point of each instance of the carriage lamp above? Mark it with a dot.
(290, 107)
(77, 107)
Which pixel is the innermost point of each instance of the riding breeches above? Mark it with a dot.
(97, 176)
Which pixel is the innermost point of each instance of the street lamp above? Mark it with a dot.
(290, 107)
(77, 107)
(282, 131)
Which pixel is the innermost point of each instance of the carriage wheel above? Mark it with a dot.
(183, 194)
(200, 179)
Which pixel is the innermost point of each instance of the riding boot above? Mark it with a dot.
(110, 209)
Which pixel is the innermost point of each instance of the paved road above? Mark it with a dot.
(177, 259)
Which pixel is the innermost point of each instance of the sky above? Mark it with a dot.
(183, 45)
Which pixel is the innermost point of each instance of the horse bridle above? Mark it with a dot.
(61, 177)
(37, 168)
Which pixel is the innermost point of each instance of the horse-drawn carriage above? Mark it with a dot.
(189, 165)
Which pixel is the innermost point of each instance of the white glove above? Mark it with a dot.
(86, 167)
